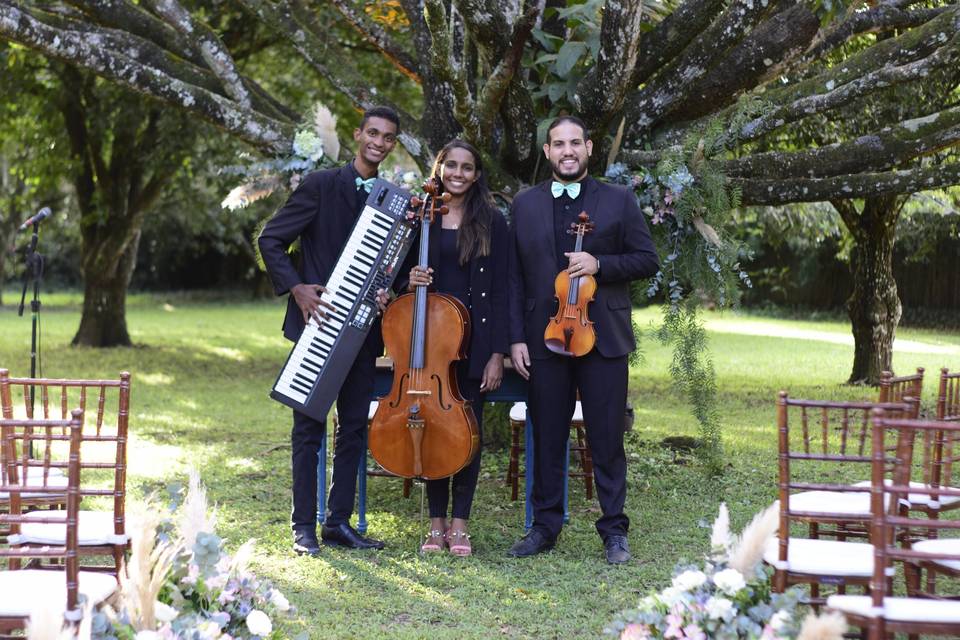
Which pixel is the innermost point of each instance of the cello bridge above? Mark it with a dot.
(417, 392)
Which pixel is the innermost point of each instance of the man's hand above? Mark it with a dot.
(420, 276)
(581, 264)
(520, 358)
(308, 299)
(492, 373)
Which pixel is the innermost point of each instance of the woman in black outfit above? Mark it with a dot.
(467, 259)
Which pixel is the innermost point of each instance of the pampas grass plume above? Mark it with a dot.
(325, 126)
(241, 559)
(826, 626)
(193, 514)
(720, 538)
(148, 569)
(747, 551)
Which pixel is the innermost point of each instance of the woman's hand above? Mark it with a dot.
(492, 373)
(420, 276)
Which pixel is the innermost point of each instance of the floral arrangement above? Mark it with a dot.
(180, 584)
(311, 149)
(680, 205)
(729, 597)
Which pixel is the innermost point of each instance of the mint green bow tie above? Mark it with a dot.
(366, 184)
(572, 189)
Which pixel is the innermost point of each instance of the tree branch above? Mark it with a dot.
(755, 58)
(875, 152)
(326, 59)
(862, 185)
(876, 18)
(446, 67)
(602, 91)
(495, 88)
(669, 38)
(218, 59)
(378, 37)
(121, 14)
(844, 94)
(91, 53)
(658, 97)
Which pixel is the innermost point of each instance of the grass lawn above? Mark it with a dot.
(201, 374)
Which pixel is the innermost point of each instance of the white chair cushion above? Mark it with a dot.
(94, 528)
(21, 590)
(942, 545)
(822, 557)
(899, 609)
(921, 500)
(853, 504)
(518, 412)
(36, 479)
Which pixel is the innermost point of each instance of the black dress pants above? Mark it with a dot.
(602, 383)
(353, 405)
(464, 482)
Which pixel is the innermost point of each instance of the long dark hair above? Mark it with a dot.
(473, 236)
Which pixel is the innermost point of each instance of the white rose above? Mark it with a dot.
(147, 635)
(258, 623)
(689, 580)
(279, 600)
(164, 612)
(719, 608)
(729, 581)
(779, 619)
(671, 595)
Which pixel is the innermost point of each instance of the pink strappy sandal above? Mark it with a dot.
(436, 541)
(458, 541)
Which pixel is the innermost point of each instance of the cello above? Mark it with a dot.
(424, 428)
(570, 332)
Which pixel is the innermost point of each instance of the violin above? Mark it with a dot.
(424, 428)
(570, 332)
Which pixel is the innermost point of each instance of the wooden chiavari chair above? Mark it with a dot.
(104, 465)
(823, 449)
(21, 589)
(881, 613)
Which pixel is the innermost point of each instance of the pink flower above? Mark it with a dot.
(694, 632)
(675, 628)
(635, 631)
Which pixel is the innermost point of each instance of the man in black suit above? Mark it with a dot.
(617, 251)
(321, 213)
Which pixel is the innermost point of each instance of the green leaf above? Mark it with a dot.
(556, 90)
(568, 56)
(548, 41)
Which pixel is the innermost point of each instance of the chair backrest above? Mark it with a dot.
(948, 397)
(17, 438)
(824, 446)
(890, 524)
(896, 388)
(104, 440)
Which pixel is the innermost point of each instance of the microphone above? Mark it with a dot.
(43, 214)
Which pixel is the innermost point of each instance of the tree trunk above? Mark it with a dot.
(104, 319)
(873, 306)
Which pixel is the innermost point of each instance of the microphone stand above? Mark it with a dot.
(34, 272)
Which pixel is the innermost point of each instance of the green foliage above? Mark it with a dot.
(694, 376)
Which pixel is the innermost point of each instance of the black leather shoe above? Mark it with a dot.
(530, 545)
(305, 543)
(617, 549)
(343, 535)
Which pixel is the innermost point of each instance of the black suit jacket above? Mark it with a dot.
(620, 240)
(488, 293)
(321, 212)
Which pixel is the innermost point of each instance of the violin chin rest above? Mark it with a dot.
(556, 346)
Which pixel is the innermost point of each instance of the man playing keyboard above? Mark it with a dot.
(321, 213)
